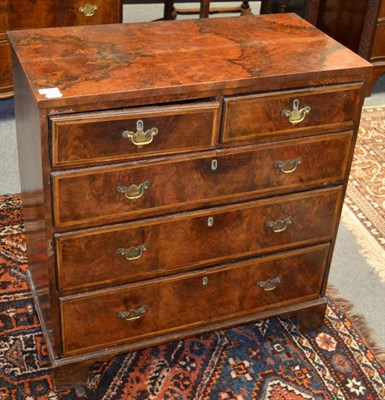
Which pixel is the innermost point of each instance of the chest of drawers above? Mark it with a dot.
(178, 177)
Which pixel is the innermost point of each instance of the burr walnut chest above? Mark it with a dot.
(180, 177)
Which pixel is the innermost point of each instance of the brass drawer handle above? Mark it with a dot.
(132, 253)
(140, 137)
(133, 192)
(289, 166)
(280, 225)
(88, 9)
(133, 315)
(296, 115)
(270, 284)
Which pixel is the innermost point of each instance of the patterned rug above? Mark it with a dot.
(365, 197)
(265, 360)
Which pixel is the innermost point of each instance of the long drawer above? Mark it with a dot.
(141, 250)
(288, 113)
(86, 138)
(111, 194)
(154, 308)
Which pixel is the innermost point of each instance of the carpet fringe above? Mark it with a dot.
(368, 247)
(359, 322)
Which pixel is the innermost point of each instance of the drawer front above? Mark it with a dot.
(100, 195)
(5, 66)
(137, 133)
(123, 254)
(287, 113)
(378, 48)
(163, 306)
(381, 13)
(84, 12)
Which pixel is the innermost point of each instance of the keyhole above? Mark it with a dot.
(205, 281)
(214, 165)
(210, 222)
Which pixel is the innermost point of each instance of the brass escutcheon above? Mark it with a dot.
(133, 315)
(289, 166)
(280, 225)
(296, 115)
(88, 9)
(132, 253)
(133, 192)
(270, 284)
(140, 137)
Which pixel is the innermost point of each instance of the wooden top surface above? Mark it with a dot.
(121, 61)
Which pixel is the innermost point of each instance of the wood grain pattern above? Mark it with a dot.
(343, 20)
(89, 260)
(90, 196)
(31, 14)
(263, 112)
(97, 137)
(215, 55)
(91, 322)
(5, 67)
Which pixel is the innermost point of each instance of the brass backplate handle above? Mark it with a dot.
(133, 192)
(288, 166)
(134, 314)
(132, 253)
(296, 115)
(140, 137)
(88, 9)
(269, 284)
(280, 225)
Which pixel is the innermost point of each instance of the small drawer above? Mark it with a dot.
(153, 308)
(86, 12)
(142, 250)
(289, 113)
(81, 139)
(5, 65)
(106, 195)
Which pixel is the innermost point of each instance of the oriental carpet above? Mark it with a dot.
(364, 212)
(266, 360)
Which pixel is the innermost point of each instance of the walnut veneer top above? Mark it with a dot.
(121, 61)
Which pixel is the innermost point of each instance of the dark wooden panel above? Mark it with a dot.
(260, 115)
(91, 196)
(92, 322)
(29, 14)
(5, 67)
(343, 20)
(4, 4)
(381, 13)
(97, 137)
(378, 50)
(89, 259)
